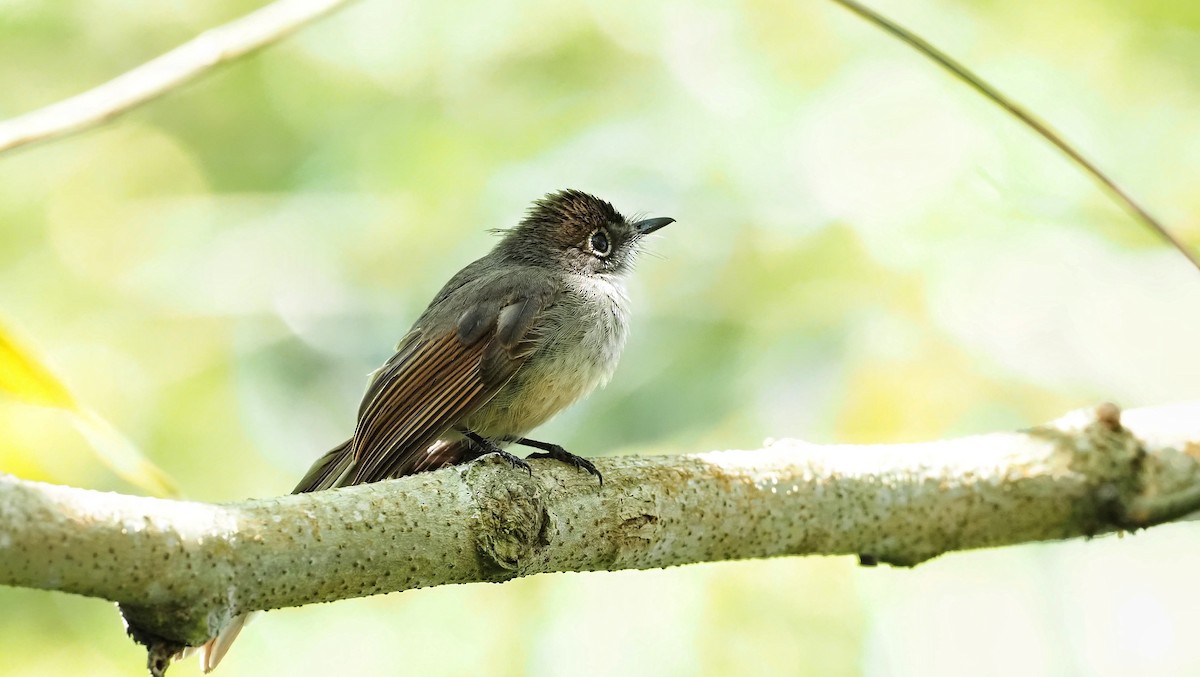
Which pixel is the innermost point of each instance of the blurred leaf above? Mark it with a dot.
(120, 454)
(24, 378)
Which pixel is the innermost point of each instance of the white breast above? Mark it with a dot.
(584, 335)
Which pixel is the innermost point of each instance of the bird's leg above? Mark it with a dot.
(485, 446)
(556, 452)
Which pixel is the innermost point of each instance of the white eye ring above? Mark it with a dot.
(599, 242)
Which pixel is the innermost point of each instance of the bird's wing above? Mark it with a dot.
(444, 372)
(441, 372)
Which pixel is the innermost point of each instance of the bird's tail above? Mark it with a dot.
(323, 474)
(330, 471)
(215, 649)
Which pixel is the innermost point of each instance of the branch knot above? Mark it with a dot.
(511, 513)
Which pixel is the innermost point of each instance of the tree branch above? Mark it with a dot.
(182, 569)
(164, 73)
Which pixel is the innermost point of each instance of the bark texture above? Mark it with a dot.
(181, 569)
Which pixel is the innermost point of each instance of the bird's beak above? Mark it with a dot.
(650, 225)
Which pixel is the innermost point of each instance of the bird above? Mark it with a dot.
(512, 339)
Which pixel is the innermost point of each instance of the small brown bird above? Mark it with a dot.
(512, 339)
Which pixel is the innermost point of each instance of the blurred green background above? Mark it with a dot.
(866, 252)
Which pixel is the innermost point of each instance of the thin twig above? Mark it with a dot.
(978, 84)
(164, 73)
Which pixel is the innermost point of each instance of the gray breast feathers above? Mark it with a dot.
(579, 344)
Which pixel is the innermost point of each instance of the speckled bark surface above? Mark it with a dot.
(181, 569)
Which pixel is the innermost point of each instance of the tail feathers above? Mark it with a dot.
(328, 470)
(216, 648)
(332, 470)
(323, 474)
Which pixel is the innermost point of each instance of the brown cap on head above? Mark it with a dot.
(576, 233)
(578, 211)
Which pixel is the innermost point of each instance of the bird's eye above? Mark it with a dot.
(599, 243)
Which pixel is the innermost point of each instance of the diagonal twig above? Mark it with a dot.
(1021, 113)
(164, 73)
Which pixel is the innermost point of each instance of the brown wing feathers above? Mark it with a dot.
(442, 372)
(420, 398)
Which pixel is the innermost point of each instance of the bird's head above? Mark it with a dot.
(578, 233)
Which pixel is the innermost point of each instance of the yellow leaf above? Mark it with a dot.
(121, 455)
(25, 378)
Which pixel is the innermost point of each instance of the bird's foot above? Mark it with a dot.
(481, 446)
(514, 461)
(557, 453)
